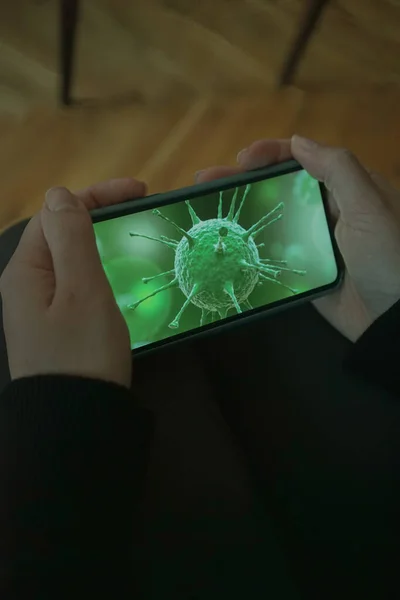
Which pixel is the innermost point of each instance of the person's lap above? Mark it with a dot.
(204, 525)
(322, 447)
(260, 435)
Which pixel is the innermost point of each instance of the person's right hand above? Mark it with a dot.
(367, 233)
(366, 228)
(60, 316)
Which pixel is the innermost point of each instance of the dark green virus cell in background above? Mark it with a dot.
(217, 262)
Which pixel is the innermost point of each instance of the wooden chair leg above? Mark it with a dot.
(69, 11)
(312, 17)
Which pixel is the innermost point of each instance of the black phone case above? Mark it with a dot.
(188, 193)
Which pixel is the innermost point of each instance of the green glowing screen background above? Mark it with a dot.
(294, 251)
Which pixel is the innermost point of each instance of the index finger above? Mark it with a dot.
(259, 154)
(112, 191)
(213, 173)
(263, 153)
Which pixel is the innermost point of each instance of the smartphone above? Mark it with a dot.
(200, 258)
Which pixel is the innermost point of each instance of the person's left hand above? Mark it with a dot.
(59, 312)
(263, 153)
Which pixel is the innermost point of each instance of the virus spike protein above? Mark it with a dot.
(164, 238)
(260, 229)
(228, 288)
(266, 278)
(247, 190)
(147, 279)
(173, 283)
(231, 212)
(192, 213)
(272, 260)
(166, 241)
(182, 231)
(220, 205)
(175, 323)
(259, 226)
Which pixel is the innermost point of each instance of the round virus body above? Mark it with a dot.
(217, 264)
(214, 263)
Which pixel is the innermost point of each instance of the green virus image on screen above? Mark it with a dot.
(195, 262)
(217, 263)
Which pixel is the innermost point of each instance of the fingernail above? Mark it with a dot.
(241, 155)
(304, 143)
(197, 175)
(59, 198)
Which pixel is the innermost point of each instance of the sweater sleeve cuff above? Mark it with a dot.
(73, 458)
(74, 406)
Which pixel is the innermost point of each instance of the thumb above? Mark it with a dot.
(69, 234)
(349, 183)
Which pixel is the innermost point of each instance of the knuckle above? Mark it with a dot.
(84, 299)
(70, 298)
(340, 162)
(342, 157)
(67, 302)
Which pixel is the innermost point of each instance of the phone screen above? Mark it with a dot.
(218, 256)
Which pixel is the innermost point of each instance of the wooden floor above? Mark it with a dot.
(165, 143)
(175, 86)
(137, 49)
